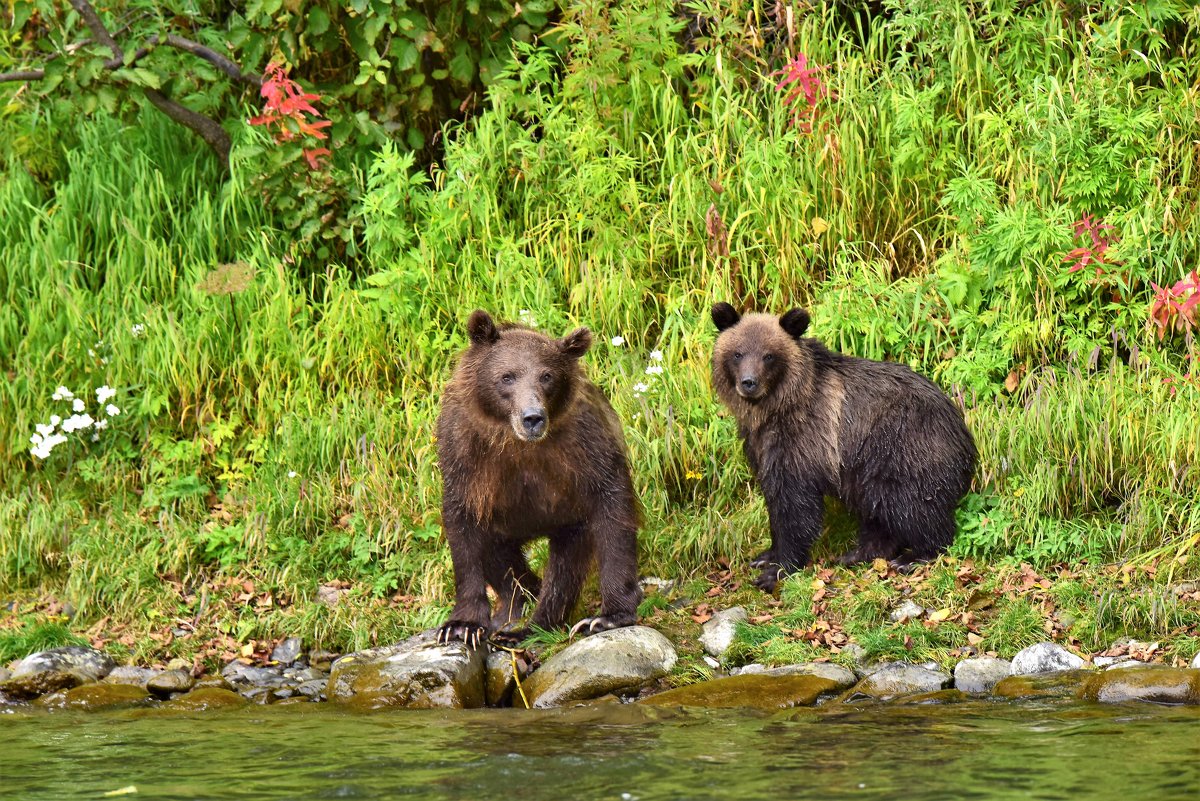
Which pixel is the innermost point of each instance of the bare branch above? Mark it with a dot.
(99, 32)
(219, 61)
(22, 75)
(207, 128)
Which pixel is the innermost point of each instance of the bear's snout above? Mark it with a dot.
(530, 424)
(749, 387)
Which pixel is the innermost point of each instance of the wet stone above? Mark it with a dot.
(898, 678)
(1045, 657)
(32, 685)
(212, 681)
(169, 682)
(301, 675)
(1159, 685)
(287, 652)
(842, 677)
(206, 698)
(932, 698)
(980, 674)
(240, 674)
(719, 630)
(1196, 662)
(129, 674)
(314, 689)
(86, 663)
(908, 610)
(620, 661)
(93, 697)
(754, 691)
(1057, 684)
(322, 660)
(417, 673)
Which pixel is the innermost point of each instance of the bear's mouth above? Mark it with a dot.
(753, 395)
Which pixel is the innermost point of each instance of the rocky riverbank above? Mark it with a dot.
(626, 665)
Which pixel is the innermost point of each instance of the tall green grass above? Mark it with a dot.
(624, 179)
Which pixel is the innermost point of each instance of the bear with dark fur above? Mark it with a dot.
(530, 448)
(883, 440)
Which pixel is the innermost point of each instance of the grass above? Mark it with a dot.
(275, 445)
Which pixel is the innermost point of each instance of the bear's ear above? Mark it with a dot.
(724, 316)
(481, 329)
(576, 343)
(795, 322)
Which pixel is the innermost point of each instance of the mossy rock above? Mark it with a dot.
(206, 698)
(754, 691)
(94, 697)
(1061, 684)
(1159, 685)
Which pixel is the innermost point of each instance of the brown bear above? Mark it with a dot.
(880, 438)
(530, 448)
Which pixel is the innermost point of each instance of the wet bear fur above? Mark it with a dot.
(880, 438)
(530, 448)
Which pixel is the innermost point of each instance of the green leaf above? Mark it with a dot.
(318, 21)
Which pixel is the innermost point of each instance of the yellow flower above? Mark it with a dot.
(693, 475)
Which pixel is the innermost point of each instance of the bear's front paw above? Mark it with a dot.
(591, 625)
(510, 638)
(768, 579)
(472, 634)
(763, 559)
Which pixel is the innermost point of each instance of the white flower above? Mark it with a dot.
(527, 318)
(104, 360)
(654, 369)
(656, 355)
(91, 353)
(100, 424)
(55, 419)
(42, 449)
(292, 474)
(76, 422)
(138, 330)
(78, 405)
(62, 393)
(640, 387)
(45, 430)
(618, 341)
(36, 439)
(95, 437)
(104, 393)
(111, 410)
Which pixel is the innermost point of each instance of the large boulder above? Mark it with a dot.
(618, 661)
(899, 678)
(95, 697)
(980, 674)
(131, 675)
(1061, 684)
(755, 691)
(87, 663)
(417, 673)
(719, 630)
(1160, 685)
(1045, 657)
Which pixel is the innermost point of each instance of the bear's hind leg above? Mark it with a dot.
(567, 567)
(874, 542)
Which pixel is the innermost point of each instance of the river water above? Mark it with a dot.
(984, 750)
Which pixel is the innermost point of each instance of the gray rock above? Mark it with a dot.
(169, 682)
(840, 676)
(907, 611)
(319, 659)
(131, 675)
(238, 673)
(1157, 684)
(416, 673)
(1196, 662)
(748, 670)
(618, 661)
(720, 629)
(504, 674)
(86, 663)
(287, 651)
(33, 685)
(1124, 663)
(1045, 657)
(5, 674)
(897, 678)
(301, 675)
(314, 689)
(1109, 661)
(980, 674)
(855, 652)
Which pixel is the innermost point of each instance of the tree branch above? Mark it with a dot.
(219, 61)
(207, 128)
(99, 32)
(22, 75)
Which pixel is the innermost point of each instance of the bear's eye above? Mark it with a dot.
(547, 378)
(737, 355)
(507, 378)
(768, 358)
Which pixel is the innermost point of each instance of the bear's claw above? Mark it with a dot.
(472, 634)
(591, 625)
(762, 560)
(510, 638)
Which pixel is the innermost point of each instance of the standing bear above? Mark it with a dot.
(530, 448)
(878, 437)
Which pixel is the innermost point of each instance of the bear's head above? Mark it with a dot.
(522, 376)
(755, 354)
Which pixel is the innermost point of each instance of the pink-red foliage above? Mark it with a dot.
(284, 113)
(806, 90)
(1092, 252)
(1176, 308)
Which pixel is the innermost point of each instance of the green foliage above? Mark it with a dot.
(626, 168)
(31, 636)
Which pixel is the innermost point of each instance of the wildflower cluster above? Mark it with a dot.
(48, 436)
(652, 372)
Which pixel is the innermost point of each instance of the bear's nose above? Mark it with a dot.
(534, 422)
(749, 384)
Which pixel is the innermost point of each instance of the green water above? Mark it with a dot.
(964, 751)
